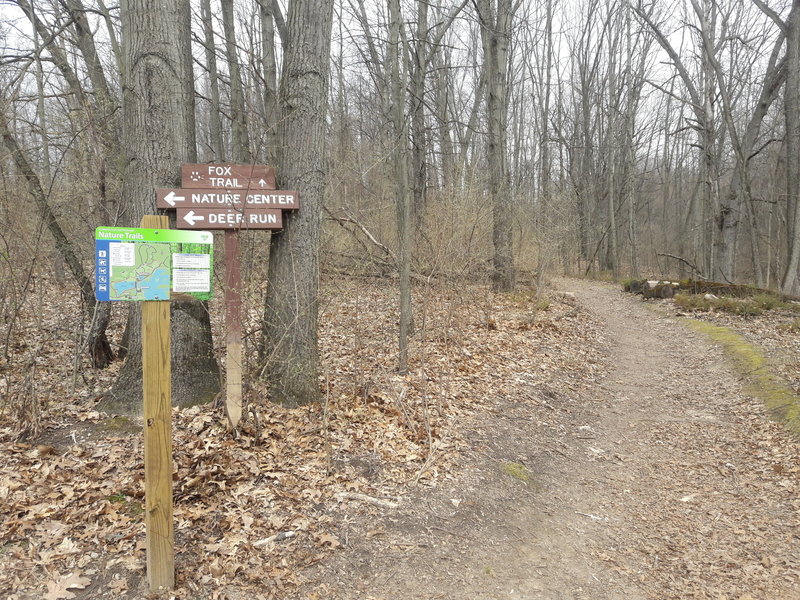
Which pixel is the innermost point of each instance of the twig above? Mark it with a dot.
(278, 537)
(592, 517)
(428, 461)
(684, 261)
(368, 499)
(350, 219)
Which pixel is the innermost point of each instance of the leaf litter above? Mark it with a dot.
(259, 512)
(252, 510)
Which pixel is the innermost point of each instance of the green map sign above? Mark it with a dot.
(150, 264)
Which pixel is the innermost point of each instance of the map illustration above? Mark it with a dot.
(139, 271)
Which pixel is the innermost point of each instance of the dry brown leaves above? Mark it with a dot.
(252, 510)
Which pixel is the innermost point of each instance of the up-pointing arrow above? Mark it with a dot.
(192, 218)
(261, 182)
(171, 198)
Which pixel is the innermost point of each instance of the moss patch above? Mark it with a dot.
(516, 470)
(750, 362)
(530, 299)
(120, 424)
(129, 506)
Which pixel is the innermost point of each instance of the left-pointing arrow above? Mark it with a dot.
(192, 218)
(172, 198)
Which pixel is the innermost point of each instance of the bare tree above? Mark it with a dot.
(97, 342)
(290, 322)
(496, 18)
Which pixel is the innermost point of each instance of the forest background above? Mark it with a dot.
(480, 141)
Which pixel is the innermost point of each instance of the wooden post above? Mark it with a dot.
(157, 384)
(233, 326)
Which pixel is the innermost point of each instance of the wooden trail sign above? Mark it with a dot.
(229, 218)
(229, 197)
(154, 264)
(157, 409)
(179, 198)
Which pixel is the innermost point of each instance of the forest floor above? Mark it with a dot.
(590, 446)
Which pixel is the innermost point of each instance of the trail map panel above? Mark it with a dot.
(149, 264)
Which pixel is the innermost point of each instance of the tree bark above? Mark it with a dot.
(496, 17)
(291, 308)
(157, 135)
(791, 278)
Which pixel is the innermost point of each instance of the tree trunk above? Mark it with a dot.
(417, 93)
(214, 112)
(443, 112)
(496, 17)
(103, 118)
(270, 79)
(240, 133)
(399, 158)
(157, 135)
(791, 278)
(290, 320)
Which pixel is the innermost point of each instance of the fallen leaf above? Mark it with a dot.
(59, 590)
(118, 585)
(324, 539)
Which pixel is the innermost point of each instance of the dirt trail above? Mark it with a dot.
(665, 481)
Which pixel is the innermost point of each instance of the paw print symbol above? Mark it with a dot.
(194, 176)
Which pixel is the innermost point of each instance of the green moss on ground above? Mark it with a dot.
(750, 362)
(126, 505)
(516, 470)
(530, 299)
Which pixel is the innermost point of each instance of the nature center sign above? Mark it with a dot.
(169, 198)
(139, 264)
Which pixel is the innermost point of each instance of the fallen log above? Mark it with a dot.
(730, 289)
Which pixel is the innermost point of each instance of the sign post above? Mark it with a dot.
(231, 198)
(156, 373)
(233, 326)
